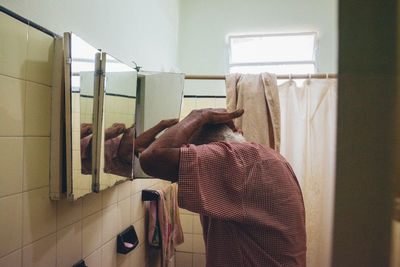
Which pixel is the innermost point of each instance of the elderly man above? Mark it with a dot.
(249, 199)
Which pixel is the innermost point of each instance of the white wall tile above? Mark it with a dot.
(14, 46)
(36, 162)
(12, 260)
(69, 245)
(68, 212)
(11, 170)
(91, 203)
(10, 223)
(110, 222)
(109, 254)
(39, 215)
(12, 106)
(37, 110)
(91, 233)
(41, 253)
(39, 63)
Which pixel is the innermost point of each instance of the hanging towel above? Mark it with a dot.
(258, 95)
(164, 224)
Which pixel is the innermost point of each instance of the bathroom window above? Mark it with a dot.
(290, 53)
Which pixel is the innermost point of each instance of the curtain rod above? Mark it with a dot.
(281, 76)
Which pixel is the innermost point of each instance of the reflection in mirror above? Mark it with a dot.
(159, 98)
(118, 99)
(80, 69)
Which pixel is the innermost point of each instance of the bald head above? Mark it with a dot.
(214, 133)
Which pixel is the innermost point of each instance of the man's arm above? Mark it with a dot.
(161, 158)
(148, 137)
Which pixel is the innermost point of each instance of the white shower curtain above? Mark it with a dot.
(308, 142)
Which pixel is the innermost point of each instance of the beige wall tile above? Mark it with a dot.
(110, 196)
(189, 103)
(197, 228)
(124, 190)
(13, 45)
(94, 259)
(69, 245)
(186, 246)
(39, 215)
(37, 110)
(68, 212)
(124, 214)
(123, 260)
(36, 162)
(91, 203)
(109, 254)
(140, 229)
(187, 223)
(138, 257)
(185, 211)
(10, 223)
(137, 206)
(110, 222)
(11, 170)
(39, 64)
(205, 103)
(12, 260)
(220, 102)
(199, 260)
(41, 253)
(91, 233)
(183, 259)
(198, 244)
(12, 106)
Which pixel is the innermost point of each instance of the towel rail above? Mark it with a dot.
(148, 195)
(281, 76)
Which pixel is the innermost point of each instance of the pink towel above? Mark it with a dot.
(167, 224)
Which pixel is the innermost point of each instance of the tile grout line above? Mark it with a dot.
(12, 194)
(23, 151)
(24, 79)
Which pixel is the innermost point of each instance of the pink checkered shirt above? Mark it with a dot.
(250, 204)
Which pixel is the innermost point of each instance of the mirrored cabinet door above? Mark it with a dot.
(117, 104)
(159, 98)
(82, 63)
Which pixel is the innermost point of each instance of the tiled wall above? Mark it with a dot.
(192, 252)
(35, 231)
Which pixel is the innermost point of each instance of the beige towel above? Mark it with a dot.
(169, 223)
(258, 95)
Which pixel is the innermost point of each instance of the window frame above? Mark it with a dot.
(272, 63)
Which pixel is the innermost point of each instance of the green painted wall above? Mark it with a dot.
(205, 24)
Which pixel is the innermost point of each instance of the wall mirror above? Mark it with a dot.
(159, 97)
(82, 64)
(116, 128)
